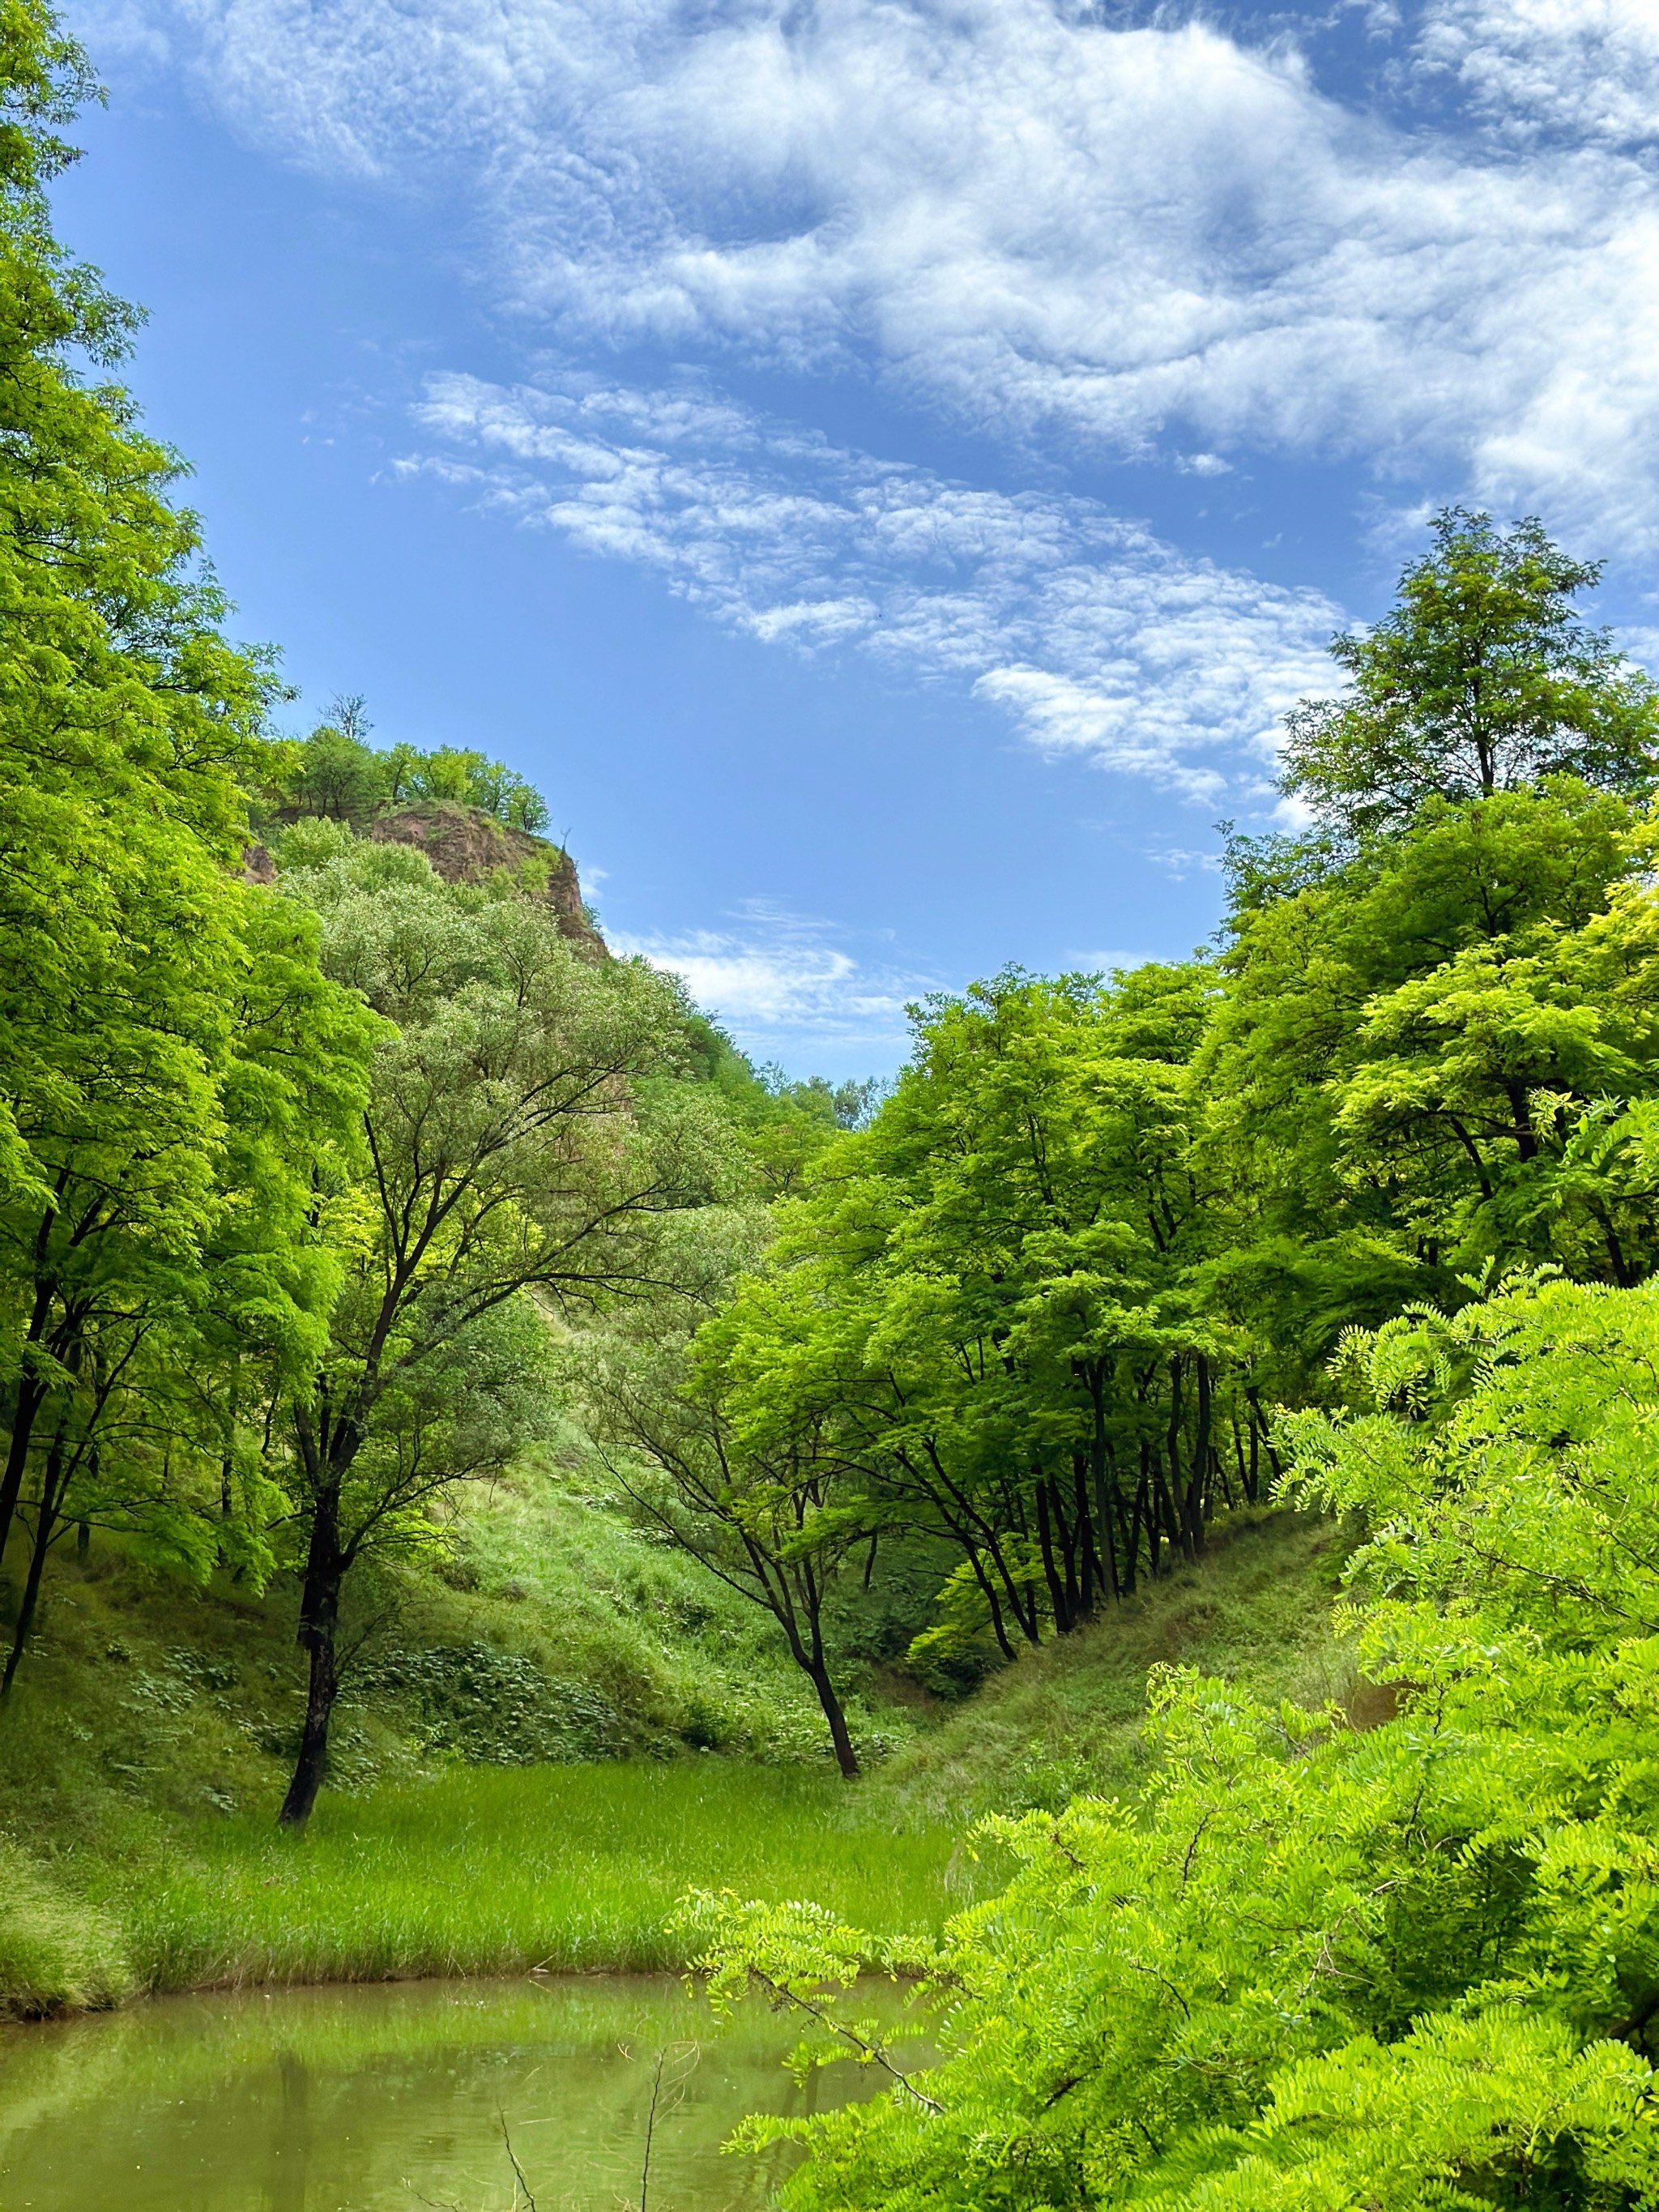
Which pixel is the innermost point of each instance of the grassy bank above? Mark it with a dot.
(573, 1868)
(479, 1871)
(1065, 1718)
(138, 1874)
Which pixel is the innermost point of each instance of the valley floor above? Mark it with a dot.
(122, 1874)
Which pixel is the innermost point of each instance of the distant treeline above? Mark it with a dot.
(336, 772)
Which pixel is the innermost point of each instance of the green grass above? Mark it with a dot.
(1067, 1718)
(484, 1871)
(137, 1784)
(56, 1949)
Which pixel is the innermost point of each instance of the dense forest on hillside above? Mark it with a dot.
(509, 1374)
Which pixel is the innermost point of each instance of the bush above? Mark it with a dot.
(495, 1708)
(1313, 1965)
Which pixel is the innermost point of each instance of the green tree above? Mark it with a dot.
(1481, 679)
(127, 722)
(159, 1315)
(525, 1144)
(991, 1303)
(1411, 1967)
(777, 1527)
(1374, 1061)
(339, 777)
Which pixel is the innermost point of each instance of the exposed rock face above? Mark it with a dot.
(464, 846)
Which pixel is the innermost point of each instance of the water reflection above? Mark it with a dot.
(381, 2098)
(290, 2151)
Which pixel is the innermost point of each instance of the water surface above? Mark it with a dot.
(379, 2098)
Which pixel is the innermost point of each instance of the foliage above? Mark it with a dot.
(1412, 1966)
(1404, 1053)
(173, 1069)
(520, 1156)
(1483, 679)
(334, 774)
(985, 1315)
(772, 1525)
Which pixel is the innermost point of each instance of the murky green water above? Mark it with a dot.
(375, 2098)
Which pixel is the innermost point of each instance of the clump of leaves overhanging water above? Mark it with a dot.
(1315, 1966)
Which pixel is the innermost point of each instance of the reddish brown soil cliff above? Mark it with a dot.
(465, 846)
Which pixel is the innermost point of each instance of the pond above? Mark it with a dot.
(381, 2098)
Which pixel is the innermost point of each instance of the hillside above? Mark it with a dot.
(467, 845)
(559, 1695)
(1065, 1718)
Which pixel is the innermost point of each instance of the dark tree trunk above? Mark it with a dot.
(1070, 1530)
(1050, 1569)
(1025, 1614)
(1105, 1498)
(52, 1485)
(318, 1636)
(797, 1596)
(1085, 1536)
(1192, 1503)
(1259, 1429)
(1163, 1520)
(31, 1396)
(1145, 1516)
(1246, 1475)
(991, 1599)
(845, 1758)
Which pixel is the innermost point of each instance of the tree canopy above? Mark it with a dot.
(1481, 679)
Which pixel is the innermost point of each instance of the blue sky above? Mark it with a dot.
(881, 467)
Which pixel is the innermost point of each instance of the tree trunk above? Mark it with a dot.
(1026, 1614)
(795, 1596)
(1246, 1475)
(1085, 1537)
(1259, 1427)
(1146, 1516)
(845, 1758)
(1192, 1503)
(1099, 1455)
(1050, 1569)
(31, 1396)
(319, 1620)
(51, 1491)
(989, 1589)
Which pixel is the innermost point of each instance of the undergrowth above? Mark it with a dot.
(632, 1737)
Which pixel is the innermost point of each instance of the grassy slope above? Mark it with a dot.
(1067, 1718)
(144, 1775)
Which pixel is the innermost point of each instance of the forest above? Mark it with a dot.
(403, 1290)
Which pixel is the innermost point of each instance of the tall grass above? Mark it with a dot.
(488, 1871)
(112, 1777)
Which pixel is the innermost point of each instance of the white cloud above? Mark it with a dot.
(1586, 69)
(1095, 637)
(1184, 860)
(779, 982)
(1098, 962)
(1032, 218)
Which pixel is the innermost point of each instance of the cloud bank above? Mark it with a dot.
(777, 981)
(1097, 639)
(1038, 219)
